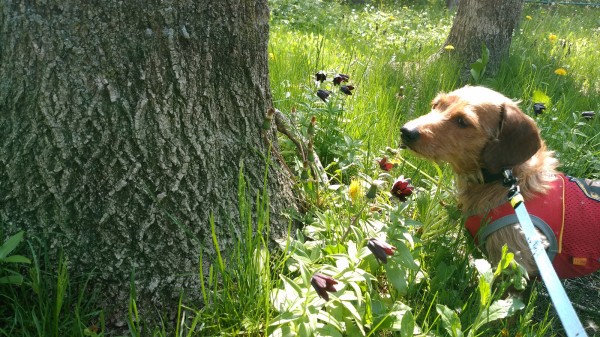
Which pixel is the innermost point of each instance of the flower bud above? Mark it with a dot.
(321, 77)
(323, 284)
(323, 94)
(538, 108)
(380, 249)
(347, 89)
(339, 78)
(372, 192)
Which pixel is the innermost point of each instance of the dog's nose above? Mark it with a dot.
(409, 135)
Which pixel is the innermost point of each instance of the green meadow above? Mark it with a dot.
(436, 282)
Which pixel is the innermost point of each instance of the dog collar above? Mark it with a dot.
(489, 177)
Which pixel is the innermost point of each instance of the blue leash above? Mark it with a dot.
(562, 304)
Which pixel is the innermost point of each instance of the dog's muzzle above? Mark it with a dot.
(409, 135)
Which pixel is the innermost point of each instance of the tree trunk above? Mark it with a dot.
(488, 22)
(117, 115)
(452, 4)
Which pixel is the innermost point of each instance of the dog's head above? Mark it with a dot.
(473, 128)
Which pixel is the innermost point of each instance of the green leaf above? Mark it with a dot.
(397, 277)
(404, 256)
(475, 75)
(485, 269)
(284, 318)
(12, 279)
(477, 66)
(507, 258)
(450, 320)
(16, 259)
(485, 54)
(520, 277)
(408, 325)
(501, 309)
(325, 317)
(291, 286)
(304, 274)
(485, 291)
(283, 331)
(304, 329)
(10, 244)
(334, 249)
(354, 312)
(328, 331)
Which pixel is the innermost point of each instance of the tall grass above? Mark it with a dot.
(386, 47)
(49, 302)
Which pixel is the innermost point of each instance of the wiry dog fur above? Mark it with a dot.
(480, 131)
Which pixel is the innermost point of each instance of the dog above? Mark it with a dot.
(480, 132)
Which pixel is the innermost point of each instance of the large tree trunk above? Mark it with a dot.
(116, 115)
(488, 22)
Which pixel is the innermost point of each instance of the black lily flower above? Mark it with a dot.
(588, 114)
(339, 78)
(402, 189)
(321, 77)
(323, 94)
(380, 249)
(323, 284)
(538, 108)
(346, 89)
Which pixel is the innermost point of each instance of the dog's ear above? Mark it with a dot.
(517, 140)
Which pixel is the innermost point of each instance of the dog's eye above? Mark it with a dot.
(461, 122)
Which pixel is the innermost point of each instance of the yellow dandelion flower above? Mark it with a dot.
(271, 56)
(449, 47)
(552, 37)
(560, 71)
(528, 17)
(354, 190)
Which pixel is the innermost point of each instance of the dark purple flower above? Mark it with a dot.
(339, 78)
(538, 108)
(380, 249)
(347, 89)
(321, 77)
(323, 94)
(402, 188)
(588, 114)
(384, 164)
(323, 284)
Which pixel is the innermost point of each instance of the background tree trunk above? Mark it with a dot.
(488, 22)
(117, 114)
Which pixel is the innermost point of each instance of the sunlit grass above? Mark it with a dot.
(387, 47)
(386, 50)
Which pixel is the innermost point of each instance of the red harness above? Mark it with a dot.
(569, 216)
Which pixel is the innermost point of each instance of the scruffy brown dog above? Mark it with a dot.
(480, 132)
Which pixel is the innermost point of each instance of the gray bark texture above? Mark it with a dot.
(488, 22)
(117, 115)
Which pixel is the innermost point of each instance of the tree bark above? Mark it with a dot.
(117, 116)
(488, 22)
